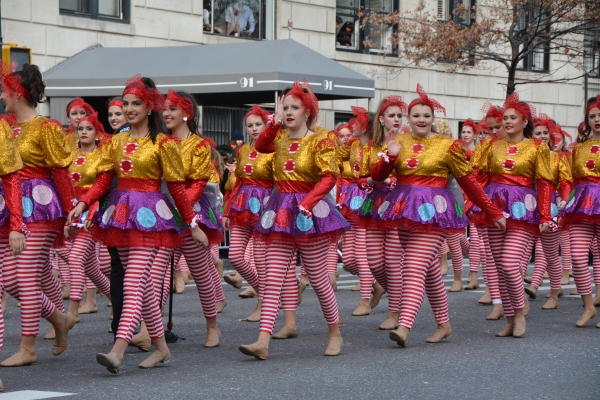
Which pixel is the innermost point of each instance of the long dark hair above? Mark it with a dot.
(31, 80)
(194, 122)
(587, 129)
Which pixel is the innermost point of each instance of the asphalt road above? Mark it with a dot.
(554, 359)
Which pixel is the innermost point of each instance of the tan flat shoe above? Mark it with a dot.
(560, 294)
(179, 284)
(378, 291)
(519, 329)
(486, 299)
(598, 325)
(51, 335)
(574, 293)
(334, 346)
(585, 318)
(362, 310)
(565, 279)
(286, 333)
(21, 358)
(249, 293)
(255, 316)
(551, 304)
(472, 286)
(456, 287)
(87, 308)
(528, 279)
(439, 334)
(110, 361)
(221, 305)
(390, 322)
(496, 314)
(531, 292)
(400, 336)
(5, 298)
(527, 307)
(255, 350)
(155, 358)
(141, 341)
(356, 288)
(213, 338)
(505, 332)
(60, 342)
(234, 279)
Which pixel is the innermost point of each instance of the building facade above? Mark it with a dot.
(57, 29)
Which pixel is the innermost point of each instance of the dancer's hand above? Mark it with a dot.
(87, 225)
(545, 228)
(500, 223)
(76, 212)
(17, 242)
(70, 231)
(200, 237)
(561, 205)
(226, 223)
(279, 114)
(392, 145)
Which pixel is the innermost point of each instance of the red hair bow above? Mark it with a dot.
(394, 101)
(115, 103)
(427, 101)
(183, 103)
(153, 99)
(12, 83)
(491, 111)
(80, 103)
(259, 112)
(471, 123)
(527, 111)
(93, 119)
(308, 99)
(593, 105)
(362, 118)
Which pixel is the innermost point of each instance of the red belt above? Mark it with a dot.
(295, 186)
(256, 182)
(420, 180)
(348, 181)
(512, 180)
(139, 184)
(34, 172)
(587, 179)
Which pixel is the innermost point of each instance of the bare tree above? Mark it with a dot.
(517, 34)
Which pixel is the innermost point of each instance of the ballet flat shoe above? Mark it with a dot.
(486, 299)
(234, 279)
(21, 358)
(249, 293)
(439, 334)
(155, 358)
(551, 304)
(221, 305)
(213, 338)
(505, 332)
(110, 361)
(141, 341)
(456, 287)
(179, 285)
(286, 333)
(528, 279)
(334, 346)
(400, 336)
(362, 310)
(255, 350)
(531, 292)
(598, 325)
(377, 293)
(597, 301)
(472, 286)
(574, 293)
(356, 288)
(585, 318)
(519, 329)
(50, 335)
(255, 316)
(495, 315)
(527, 307)
(87, 308)
(60, 341)
(565, 280)
(390, 323)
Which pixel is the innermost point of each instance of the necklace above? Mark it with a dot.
(306, 132)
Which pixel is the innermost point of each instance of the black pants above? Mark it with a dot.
(117, 276)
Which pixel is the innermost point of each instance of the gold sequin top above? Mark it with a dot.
(140, 158)
(10, 160)
(252, 164)
(369, 157)
(436, 156)
(214, 175)
(528, 158)
(83, 169)
(196, 155)
(71, 142)
(561, 169)
(230, 184)
(41, 143)
(586, 159)
(481, 151)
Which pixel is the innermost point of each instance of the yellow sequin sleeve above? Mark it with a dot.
(52, 143)
(542, 163)
(106, 163)
(325, 157)
(10, 160)
(481, 156)
(170, 158)
(456, 160)
(201, 162)
(229, 185)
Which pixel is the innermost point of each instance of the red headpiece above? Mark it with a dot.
(596, 104)
(115, 103)
(153, 99)
(308, 99)
(545, 120)
(491, 111)
(80, 103)
(559, 134)
(580, 128)
(258, 111)
(339, 128)
(482, 126)
(426, 100)
(361, 120)
(93, 119)
(394, 101)
(527, 111)
(471, 123)
(183, 103)
(12, 83)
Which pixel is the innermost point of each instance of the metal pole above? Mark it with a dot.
(1, 38)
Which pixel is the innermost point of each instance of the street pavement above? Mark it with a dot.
(554, 360)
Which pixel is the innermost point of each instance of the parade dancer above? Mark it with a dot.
(298, 216)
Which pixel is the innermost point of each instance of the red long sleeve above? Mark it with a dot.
(264, 143)
(471, 187)
(92, 211)
(64, 185)
(101, 186)
(544, 199)
(195, 190)
(565, 190)
(12, 196)
(381, 170)
(177, 190)
(320, 190)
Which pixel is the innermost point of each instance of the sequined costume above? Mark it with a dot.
(351, 198)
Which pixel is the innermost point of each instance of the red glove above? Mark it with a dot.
(264, 143)
(382, 169)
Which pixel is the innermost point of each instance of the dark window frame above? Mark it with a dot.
(94, 12)
(528, 64)
(261, 22)
(592, 53)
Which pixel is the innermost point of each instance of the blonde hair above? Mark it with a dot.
(442, 126)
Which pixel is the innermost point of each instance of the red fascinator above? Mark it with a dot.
(153, 99)
(545, 120)
(361, 119)
(308, 99)
(527, 111)
(559, 134)
(471, 123)
(393, 101)
(80, 103)
(427, 101)
(258, 111)
(339, 128)
(115, 103)
(12, 83)
(183, 103)
(491, 111)
(596, 104)
(93, 119)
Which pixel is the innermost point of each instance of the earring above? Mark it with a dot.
(381, 123)
(185, 119)
(433, 124)
(524, 126)
(149, 112)
(97, 141)
(305, 119)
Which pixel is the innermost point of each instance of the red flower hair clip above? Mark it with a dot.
(307, 98)
(153, 99)
(183, 103)
(393, 101)
(12, 83)
(424, 99)
(259, 112)
(527, 111)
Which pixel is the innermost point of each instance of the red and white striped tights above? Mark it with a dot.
(565, 249)
(240, 238)
(278, 258)
(476, 255)
(546, 258)
(366, 243)
(458, 244)
(420, 273)
(214, 252)
(384, 256)
(509, 249)
(22, 277)
(51, 287)
(3, 249)
(139, 300)
(83, 262)
(103, 259)
(596, 261)
(332, 259)
(200, 264)
(349, 248)
(260, 255)
(490, 272)
(161, 274)
(61, 262)
(582, 236)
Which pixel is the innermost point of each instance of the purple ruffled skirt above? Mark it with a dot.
(516, 202)
(4, 213)
(584, 199)
(251, 198)
(352, 197)
(209, 217)
(40, 201)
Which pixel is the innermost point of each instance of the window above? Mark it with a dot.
(592, 53)
(244, 19)
(462, 16)
(342, 118)
(111, 10)
(350, 36)
(534, 33)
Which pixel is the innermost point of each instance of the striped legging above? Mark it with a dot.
(260, 256)
(23, 276)
(240, 238)
(596, 262)
(457, 242)
(83, 262)
(278, 264)
(3, 249)
(61, 262)
(546, 258)
(103, 259)
(476, 255)
(582, 236)
(161, 274)
(384, 255)
(139, 299)
(349, 248)
(565, 249)
(201, 265)
(490, 272)
(421, 271)
(365, 243)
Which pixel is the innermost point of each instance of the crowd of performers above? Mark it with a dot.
(108, 212)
